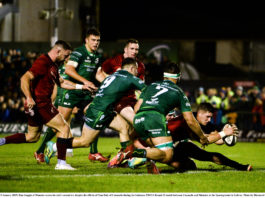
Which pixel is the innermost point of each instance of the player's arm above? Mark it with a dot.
(137, 105)
(216, 137)
(101, 75)
(195, 127)
(67, 84)
(71, 71)
(54, 93)
(25, 87)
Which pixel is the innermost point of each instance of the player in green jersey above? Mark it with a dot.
(81, 67)
(150, 124)
(100, 112)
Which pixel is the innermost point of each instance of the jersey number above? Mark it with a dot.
(163, 90)
(107, 81)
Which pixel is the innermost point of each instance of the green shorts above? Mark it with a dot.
(98, 120)
(150, 124)
(75, 98)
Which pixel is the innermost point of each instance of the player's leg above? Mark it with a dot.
(32, 136)
(195, 152)
(63, 142)
(124, 128)
(94, 154)
(163, 151)
(87, 137)
(151, 125)
(220, 159)
(128, 114)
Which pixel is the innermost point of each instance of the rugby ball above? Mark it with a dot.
(230, 140)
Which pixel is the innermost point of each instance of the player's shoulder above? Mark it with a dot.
(79, 51)
(140, 64)
(43, 59)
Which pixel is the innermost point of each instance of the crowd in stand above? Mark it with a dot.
(240, 105)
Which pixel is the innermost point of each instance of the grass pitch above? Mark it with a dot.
(20, 173)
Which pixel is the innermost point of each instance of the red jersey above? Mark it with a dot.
(111, 65)
(46, 74)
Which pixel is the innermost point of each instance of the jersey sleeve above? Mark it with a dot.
(138, 83)
(39, 67)
(184, 103)
(75, 58)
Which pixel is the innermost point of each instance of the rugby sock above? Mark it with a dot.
(62, 145)
(16, 138)
(46, 138)
(139, 153)
(94, 146)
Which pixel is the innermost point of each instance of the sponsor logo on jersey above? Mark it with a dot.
(67, 96)
(155, 131)
(152, 101)
(137, 121)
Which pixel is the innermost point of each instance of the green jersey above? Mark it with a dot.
(163, 96)
(85, 63)
(113, 88)
(63, 75)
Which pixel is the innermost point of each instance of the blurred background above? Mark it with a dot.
(220, 49)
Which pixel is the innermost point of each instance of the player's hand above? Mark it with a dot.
(235, 130)
(90, 86)
(230, 129)
(204, 141)
(30, 102)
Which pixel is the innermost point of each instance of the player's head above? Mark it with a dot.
(92, 39)
(131, 48)
(172, 72)
(205, 113)
(62, 50)
(130, 65)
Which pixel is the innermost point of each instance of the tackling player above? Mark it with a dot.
(100, 112)
(125, 106)
(154, 104)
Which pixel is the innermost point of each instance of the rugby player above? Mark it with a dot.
(155, 102)
(37, 84)
(100, 112)
(184, 148)
(125, 106)
(81, 67)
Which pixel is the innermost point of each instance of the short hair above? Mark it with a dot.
(172, 68)
(128, 61)
(93, 31)
(65, 45)
(131, 40)
(205, 106)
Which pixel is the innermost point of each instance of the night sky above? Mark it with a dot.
(153, 20)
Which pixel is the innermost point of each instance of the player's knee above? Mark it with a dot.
(32, 138)
(216, 159)
(168, 155)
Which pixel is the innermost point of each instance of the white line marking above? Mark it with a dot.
(126, 175)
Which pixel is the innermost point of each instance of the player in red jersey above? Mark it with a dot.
(37, 85)
(125, 106)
